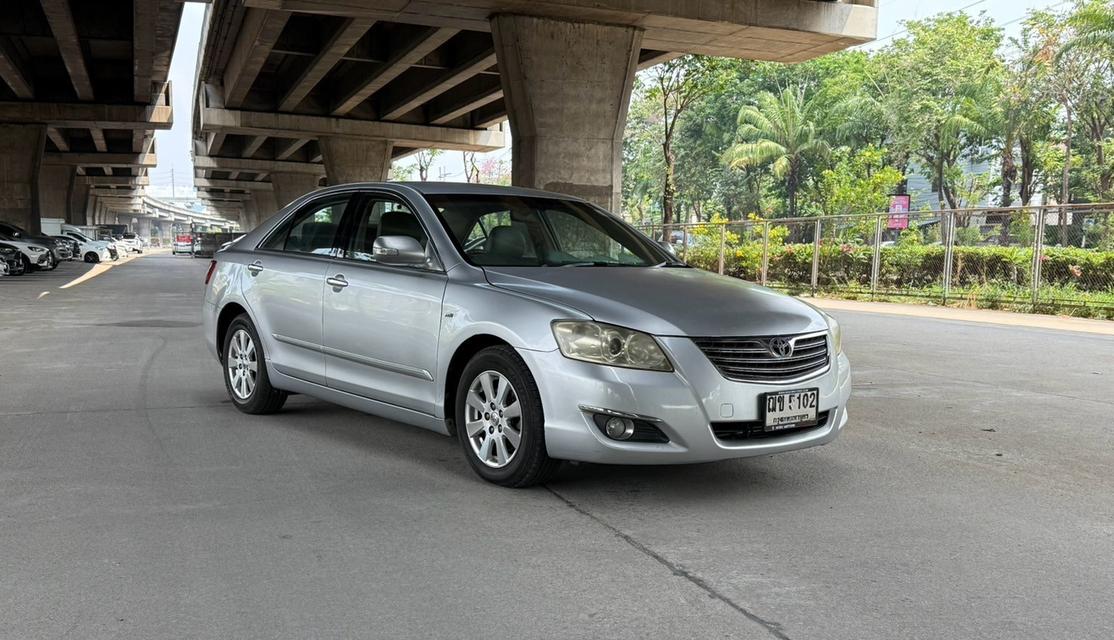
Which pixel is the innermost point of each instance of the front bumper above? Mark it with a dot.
(686, 401)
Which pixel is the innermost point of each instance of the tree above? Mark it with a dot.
(424, 159)
(471, 167)
(940, 79)
(858, 182)
(1094, 27)
(778, 132)
(675, 85)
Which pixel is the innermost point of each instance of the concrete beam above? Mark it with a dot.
(12, 73)
(466, 104)
(98, 140)
(213, 142)
(144, 28)
(341, 41)
(248, 185)
(121, 160)
(137, 181)
(408, 55)
(297, 126)
(57, 138)
(258, 34)
(252, 146)
(69, 46)
(88, 116)
(249, 164)
(447, 80)
(290, 148)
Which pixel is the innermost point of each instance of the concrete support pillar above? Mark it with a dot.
(291, 186)
(260, 207)
(348, 160)
(55, 182)
(78, 200)
(21, 153)
(567, 86)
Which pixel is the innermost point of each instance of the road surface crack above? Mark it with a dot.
(773, 628)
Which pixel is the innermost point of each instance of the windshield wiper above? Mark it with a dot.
(584, 264)
(671, 264)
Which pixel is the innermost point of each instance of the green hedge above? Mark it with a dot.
(911, 266)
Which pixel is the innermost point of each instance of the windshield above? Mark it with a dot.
(80, 236)
(514, 231)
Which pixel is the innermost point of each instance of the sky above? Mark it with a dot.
(173, 146)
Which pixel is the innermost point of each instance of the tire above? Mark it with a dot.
(529, 463)
(27, 266)
(92, 257)
(256, 396)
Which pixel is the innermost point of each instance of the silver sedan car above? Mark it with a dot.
(533, 327)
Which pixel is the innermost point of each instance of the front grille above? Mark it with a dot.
(754, 359)
(756, 429)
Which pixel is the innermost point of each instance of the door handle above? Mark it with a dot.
(337, 282)
(255, 267)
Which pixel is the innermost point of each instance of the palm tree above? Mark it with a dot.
(779, 132)
(1094, 28)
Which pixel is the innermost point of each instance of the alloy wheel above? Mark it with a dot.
(243, 366)
(493, 419)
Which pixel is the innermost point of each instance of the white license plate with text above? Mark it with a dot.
(791, 409)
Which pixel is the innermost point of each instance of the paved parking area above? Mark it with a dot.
(972, 496)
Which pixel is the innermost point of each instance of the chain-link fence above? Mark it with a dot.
(1050, 259)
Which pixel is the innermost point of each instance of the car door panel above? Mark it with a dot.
(381, 324)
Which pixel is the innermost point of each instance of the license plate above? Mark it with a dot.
(791, 409)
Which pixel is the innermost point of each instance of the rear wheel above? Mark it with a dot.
(92, 257)
(500, 422)
(245, 370)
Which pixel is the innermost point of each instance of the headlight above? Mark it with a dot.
(837, 334)
(36, 249)
(609, 345)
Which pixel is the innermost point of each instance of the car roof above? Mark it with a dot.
(464, 188)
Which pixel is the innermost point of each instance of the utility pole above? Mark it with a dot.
(173, 190)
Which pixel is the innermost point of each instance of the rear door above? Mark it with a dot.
(283, 285)
(382, 322)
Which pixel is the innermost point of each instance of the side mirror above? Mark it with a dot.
(398, 250)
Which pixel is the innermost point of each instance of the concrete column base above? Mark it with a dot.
(55, 182)
(348, 160)
(288, 187)
(567, 87)
(260, 207)
(21, 152)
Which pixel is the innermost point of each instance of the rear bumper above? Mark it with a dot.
(685, 402)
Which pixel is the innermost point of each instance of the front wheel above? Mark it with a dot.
(500, 422)
(92, 257)
(245, 370)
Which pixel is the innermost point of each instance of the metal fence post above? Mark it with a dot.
(722, 243)
(1038, 249)
(816, 257)
(876, 260)
(765, 250)
(684, 241)
(949, 246)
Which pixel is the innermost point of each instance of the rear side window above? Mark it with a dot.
(312, 230)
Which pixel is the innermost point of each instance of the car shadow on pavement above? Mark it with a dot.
(794, 473)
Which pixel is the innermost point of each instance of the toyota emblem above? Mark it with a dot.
(781, 347)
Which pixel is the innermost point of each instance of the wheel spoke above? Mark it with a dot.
(485, 448)
(485, 382)
(473, 427)
(253, 366)
(249, 351)
(513, 410)
(501, 391)
(512, 436)
(501, 455)
(475, 403)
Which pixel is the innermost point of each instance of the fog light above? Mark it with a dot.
(619, 428)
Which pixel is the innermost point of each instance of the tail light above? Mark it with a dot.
(209, 273)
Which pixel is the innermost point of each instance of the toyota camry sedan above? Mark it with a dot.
(531, 326)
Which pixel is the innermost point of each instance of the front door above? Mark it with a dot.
(381, 323)
(284, 287)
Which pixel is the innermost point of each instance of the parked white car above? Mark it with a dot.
(129, 245)
(91, 250)
(34, 255)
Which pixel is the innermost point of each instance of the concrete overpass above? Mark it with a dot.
(83, 87)
(296, 92)
(149, 216)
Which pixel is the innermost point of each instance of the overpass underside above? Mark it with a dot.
(83, 88)
(296, 93)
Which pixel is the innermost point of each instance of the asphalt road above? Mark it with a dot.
(971, 496)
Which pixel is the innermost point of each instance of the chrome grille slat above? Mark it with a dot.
(751, 359)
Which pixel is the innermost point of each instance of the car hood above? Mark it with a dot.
(664, 301)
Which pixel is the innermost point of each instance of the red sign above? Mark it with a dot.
(183, 237)
(899, 211)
